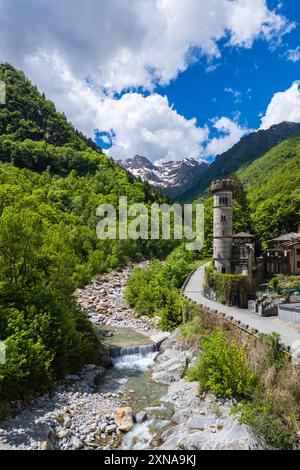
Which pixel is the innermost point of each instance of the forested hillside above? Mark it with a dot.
(267, 198)
(248, 149)
(52, 180)
(272, 184)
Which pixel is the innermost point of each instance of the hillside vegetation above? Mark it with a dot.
(52, 180)
(248, 149)
(272, 184)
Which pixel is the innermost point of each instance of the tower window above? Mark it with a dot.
(224, 201)
(223, 218)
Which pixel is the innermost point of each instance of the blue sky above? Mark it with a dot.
(167, 79)
(256, 73)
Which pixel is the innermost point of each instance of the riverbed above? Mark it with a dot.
(145, 378)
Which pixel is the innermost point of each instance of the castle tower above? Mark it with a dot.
(222, 244)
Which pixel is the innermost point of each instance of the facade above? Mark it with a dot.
(222, 243)
(243, 253)
(283, 255)
(233, 253)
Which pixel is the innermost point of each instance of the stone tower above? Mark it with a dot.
(222, 191)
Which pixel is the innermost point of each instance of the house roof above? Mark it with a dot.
(295, 241)
(285, 237)
(243, 235)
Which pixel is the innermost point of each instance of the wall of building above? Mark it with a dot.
(289, 312)
(222, 245)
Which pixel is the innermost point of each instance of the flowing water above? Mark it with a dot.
(132, 355)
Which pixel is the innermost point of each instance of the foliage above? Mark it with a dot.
(285, 282)
(275, 356)
(222, 367)
(249, 149)
(28, 115)
(271, 403)
(155, 291)
(268, 420)
(52, 179)
(227, 287)
(272, 184)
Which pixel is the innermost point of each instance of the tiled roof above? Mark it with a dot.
(243, 235)
(285, 237)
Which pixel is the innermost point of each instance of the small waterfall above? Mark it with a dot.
(139, 357)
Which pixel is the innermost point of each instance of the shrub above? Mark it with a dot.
(229, 288)
(155, 291)
(171, 313)
(268, 421)
(222, 367)
(275, 355)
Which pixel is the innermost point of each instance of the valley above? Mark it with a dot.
(165, 411)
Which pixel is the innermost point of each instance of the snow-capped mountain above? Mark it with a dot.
(173, 178)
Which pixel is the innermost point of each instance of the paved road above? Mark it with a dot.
(288, 332)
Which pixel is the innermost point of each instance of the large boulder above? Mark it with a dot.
(172, 369)
(124, 419)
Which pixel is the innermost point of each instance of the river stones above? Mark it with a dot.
(141, 417)
(111, 428)
(172, 369)
(124, 419)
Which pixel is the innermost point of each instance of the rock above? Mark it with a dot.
(111, 428)
(103, 427)
(67, 422)
(76, 444)
(172, 369)
(47, 445)
(63, 434)
(73, 378)
(141, 417)
(124, 419)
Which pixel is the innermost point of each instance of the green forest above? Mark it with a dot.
(52, 180)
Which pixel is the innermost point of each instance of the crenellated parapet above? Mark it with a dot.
(226, 185)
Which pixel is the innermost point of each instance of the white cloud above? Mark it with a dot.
(149, 126)
(121, 43)
(81, 54)
(284, 106)
(230, 133)
(237, 95)
(146, 125)
(293, 55)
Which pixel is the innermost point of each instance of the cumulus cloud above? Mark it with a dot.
(150, 126)
(284, 106)
(136, 43)
(83, 54)
(134, 123)
(230, 132)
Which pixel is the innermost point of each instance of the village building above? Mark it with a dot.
(283, 255)
(232, 253)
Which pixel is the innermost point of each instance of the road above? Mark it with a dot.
(288, 332)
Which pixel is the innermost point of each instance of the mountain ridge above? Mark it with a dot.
(169, 177)
(251, 147)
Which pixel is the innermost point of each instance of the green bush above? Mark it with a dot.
(229, 288)
(222, 367)
(155, 291)
(275, 356)
(267, 421)
(52, 181)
